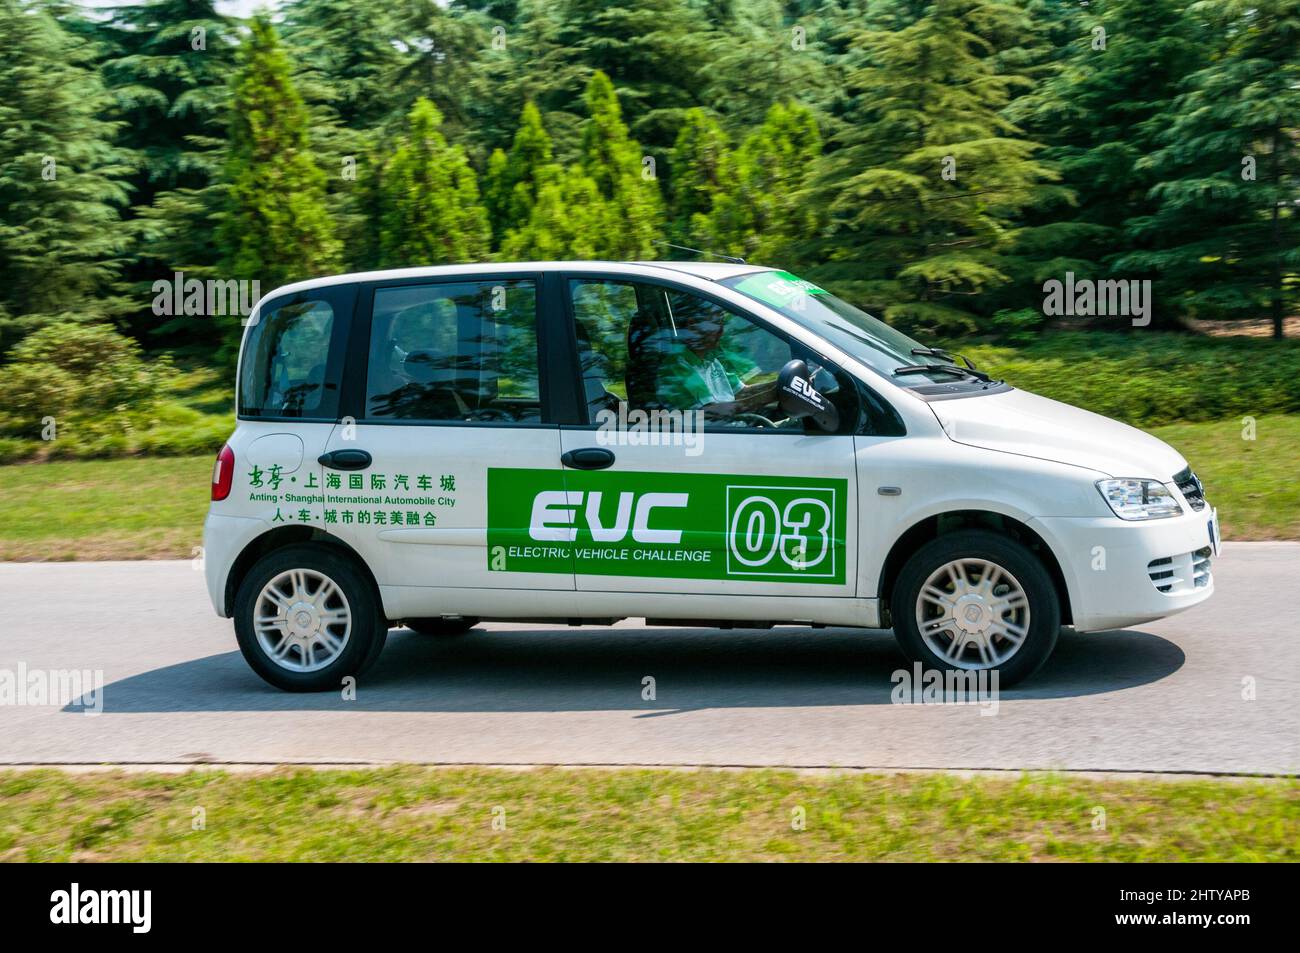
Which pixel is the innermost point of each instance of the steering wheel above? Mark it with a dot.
(757, 420)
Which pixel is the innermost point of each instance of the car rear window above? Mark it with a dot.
(462, 351)
(283, 373)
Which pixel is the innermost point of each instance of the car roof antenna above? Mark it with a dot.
(695, 251)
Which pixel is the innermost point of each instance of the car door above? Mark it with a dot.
(452, 395)
(657, 497)
(290, 367)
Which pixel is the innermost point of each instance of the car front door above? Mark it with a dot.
(685, 476)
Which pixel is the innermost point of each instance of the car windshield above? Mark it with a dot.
(857, 333)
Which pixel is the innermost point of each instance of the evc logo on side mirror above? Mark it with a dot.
(800, 399)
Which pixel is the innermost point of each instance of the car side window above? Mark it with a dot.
(458, 351)
(284, 363)
(661, 348)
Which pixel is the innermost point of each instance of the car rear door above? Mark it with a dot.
(290, 369)
(448, 389)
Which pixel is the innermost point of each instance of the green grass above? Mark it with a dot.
(136, 508)
(1150, 378)
(1251, 482)
(414, 813)
(153, 508)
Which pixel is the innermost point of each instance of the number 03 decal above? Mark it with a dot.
(780, 531)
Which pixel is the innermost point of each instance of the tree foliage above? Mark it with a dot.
(429, 208)
(936, 161)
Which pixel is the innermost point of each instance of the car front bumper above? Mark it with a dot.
(1120, 573)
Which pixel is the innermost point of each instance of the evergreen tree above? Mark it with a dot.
(927, 177)
(345, 57)
(441, 58)
(614, 162)
(760, 212)
(760, 53)
(169, 74)
(276, 226)
(429, 203)
(513, 180)
(1100, 114)
(61, 178)
(533, 67)
(695, 172)
(654, 51)
(1225, 238)
(170, 80)
(569, 220)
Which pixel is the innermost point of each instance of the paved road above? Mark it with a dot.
(1167, 696)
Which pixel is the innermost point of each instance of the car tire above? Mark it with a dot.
(441, 627)
(297, 633)
(968, 625)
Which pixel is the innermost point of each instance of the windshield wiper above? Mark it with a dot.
(942, 369)
(933, 352)
(943, 355)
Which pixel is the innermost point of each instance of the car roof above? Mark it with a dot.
(708, 270)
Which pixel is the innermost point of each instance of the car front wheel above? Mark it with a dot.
(975, 601)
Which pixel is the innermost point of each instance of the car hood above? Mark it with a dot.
(1017, 421)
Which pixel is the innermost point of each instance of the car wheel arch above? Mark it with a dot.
(278, 538)
(941, 524)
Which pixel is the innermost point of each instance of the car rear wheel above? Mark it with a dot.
(976, 601)
(306, 617)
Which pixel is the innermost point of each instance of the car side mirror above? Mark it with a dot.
(799, 398)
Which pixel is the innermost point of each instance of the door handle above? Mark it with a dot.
(345, 459)
(588, 458)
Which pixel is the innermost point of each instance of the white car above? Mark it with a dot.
(693, 443)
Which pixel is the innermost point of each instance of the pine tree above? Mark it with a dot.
(1225, 238)
(695, 172)
(534, 66)
(759, 212)
(569, 220)
(442, 54)
(761, 52)
(170, 77)
(345, 57)
(926, 177)
(1100, 112)
(512, 182)
(430, 211)
(654, 51)
(61, 178)
(170, 80)
(276, 227)
(614, 162)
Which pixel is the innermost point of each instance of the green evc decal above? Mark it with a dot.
(678, 525)
(777, 288)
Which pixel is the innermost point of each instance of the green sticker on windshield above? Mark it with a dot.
(777, 288)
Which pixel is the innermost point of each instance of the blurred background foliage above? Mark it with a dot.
(1117, 139)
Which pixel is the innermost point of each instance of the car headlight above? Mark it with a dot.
(1139, 499)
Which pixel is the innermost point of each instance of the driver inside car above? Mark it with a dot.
(704, 373)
